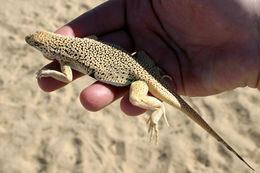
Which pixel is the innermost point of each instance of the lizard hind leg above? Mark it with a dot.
(138, 97)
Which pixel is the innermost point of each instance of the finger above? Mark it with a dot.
(94, 97)
(99, 95)
(107, 17)
(130, 109)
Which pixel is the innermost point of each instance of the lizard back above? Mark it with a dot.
(105, 61)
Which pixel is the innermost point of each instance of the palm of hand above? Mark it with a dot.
(211, 45)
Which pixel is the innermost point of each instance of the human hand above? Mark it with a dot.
(206, 46)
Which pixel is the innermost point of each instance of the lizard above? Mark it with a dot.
(111, 64)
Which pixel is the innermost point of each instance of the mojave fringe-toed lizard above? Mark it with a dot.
(111, 64)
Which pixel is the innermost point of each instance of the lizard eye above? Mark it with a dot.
(36, 41)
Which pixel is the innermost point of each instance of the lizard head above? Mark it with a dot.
(42, 40)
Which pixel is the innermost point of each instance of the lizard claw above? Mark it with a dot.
(153, 130)
(153, 122)
(39, 74)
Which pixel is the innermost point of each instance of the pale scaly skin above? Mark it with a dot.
(111, 64)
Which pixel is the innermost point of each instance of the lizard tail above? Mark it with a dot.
(185, 108)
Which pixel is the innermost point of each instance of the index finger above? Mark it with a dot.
(106, 18)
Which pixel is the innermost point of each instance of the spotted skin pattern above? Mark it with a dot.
(111, 64)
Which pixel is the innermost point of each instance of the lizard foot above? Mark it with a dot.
(138, 97)
(64, 76)
(153, 123)
(153, 130)
(42, 73)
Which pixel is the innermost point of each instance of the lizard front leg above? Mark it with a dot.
(64, 76)
(138, 97)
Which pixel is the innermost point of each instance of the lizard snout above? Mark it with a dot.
(28, 39)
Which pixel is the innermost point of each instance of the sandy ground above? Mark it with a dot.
(52, 133)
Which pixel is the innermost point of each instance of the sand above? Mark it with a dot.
(52, 133)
